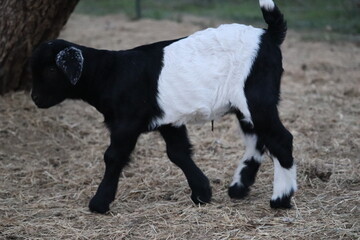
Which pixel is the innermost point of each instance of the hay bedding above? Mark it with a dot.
(51, 161)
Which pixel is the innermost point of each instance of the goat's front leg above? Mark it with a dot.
(116, 157)
(178, 150)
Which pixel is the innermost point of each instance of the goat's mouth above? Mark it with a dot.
(42, 104)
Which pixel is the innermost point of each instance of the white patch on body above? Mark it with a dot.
(267, 4)
(203, 75)
(250, 152)
(284, 180)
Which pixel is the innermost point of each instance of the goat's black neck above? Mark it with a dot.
(93, 86)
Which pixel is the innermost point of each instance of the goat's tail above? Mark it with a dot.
(275, 20)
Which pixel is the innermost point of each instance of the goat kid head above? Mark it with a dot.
(56, 68)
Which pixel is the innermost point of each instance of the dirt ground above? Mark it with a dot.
(51, 160)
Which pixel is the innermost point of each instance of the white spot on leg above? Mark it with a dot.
(240, 102)
(237, 177)
(284, 180)
(250, 153)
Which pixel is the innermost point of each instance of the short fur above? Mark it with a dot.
(165, 85)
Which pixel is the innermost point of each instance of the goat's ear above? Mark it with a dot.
(70, 61)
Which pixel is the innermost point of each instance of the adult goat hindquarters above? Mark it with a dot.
(163, 86)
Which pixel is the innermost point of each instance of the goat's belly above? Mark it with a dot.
(194, 95)
(180, 116)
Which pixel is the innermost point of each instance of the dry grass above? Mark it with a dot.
(51, 161)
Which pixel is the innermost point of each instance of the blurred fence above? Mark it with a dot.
(331, 15)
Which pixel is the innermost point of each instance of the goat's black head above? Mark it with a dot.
(56, 69)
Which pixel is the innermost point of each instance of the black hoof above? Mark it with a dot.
(283, 202)
(98, 205)
(201, 196)
(238, 191)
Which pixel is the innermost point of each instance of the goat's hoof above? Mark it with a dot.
(238, 191)
(98, 205)
(202, 196)
(283, 202)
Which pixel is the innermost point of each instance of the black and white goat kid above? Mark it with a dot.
(162, 86)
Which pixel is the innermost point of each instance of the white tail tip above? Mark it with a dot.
(267, 4)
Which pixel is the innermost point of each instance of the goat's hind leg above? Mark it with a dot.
(248, 167)
(278, 140)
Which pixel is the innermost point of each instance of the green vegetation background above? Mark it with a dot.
(338, 16)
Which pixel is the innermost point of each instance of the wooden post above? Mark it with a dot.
(23, 25)
(138, 9)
